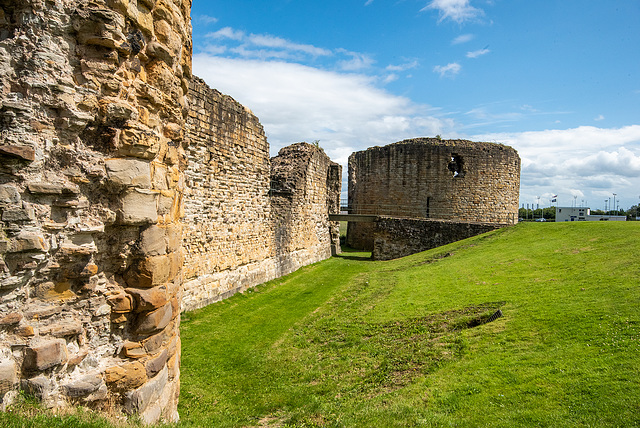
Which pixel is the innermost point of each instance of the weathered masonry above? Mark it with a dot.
(456, 181)
(92, 110)
(249, 218)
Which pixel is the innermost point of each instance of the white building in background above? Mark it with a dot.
(583, 214)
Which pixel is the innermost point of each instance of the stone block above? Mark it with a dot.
(45, 354)
(39, 386)
(8, 376)
(9, 195)
(153, 241)
(156, 363)
(10, 319)
(149, 272)
(149, 299)
(28, 241)
(136, 402)
(161, 52)
(58, 291)
(53, 189)
(63, 328)
(83, 386)
(126, 377)
(153, 321)
(21, 152)
(139, 207)
(138, 143)
(174, 237)
(121, 303)
(18, 214)
(129, 172)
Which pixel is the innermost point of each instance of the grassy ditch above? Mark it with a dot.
(351, 342)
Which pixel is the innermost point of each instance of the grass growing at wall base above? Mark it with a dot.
(352, 342)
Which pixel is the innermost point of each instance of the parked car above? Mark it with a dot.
(541, 219)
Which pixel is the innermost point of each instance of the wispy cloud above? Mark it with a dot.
(205, 19)
(403, 67)
(448, 70)
(227, 33)
(478, 53)
(463, 38)
(599, 118)
(368, 2)
(456, 10)
(357, 61)
(268, 41)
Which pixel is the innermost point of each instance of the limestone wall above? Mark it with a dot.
(455, 180)
(239, 230)
(92, 104)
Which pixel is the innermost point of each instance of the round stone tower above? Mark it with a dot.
(431, 178)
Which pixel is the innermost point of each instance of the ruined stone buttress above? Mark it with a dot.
(93, 101)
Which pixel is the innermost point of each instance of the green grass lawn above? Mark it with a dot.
(351, 342)
(356, 343)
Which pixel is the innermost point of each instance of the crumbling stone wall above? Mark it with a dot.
(398, 237)
(249, 219)
(305, 188)
(455, 180)
(92, 104)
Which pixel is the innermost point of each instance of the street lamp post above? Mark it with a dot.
(614, 201)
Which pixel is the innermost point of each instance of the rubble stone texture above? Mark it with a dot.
(92, 109)
(249, 218)
(457, 180)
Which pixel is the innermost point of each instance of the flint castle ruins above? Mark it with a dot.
(131, 191)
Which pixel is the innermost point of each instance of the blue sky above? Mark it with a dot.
(557, 80)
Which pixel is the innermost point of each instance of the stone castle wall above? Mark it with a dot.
(455, 180)
(398, 237)
(92, 109)
(249, 219)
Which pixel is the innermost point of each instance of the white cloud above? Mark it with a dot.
(390, 78)
(456, 10)
(594, 161)
(346, 112)
(599, 118)
(227, 33)
(205, 19)
(368, 2)
(268, 41)
(357, 62)
(463, 38)
(448, 70)
(403, 67)
(476, 54)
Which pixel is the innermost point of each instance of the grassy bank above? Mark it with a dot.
(352, 342)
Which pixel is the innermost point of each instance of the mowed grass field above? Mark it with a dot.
(349, 342)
